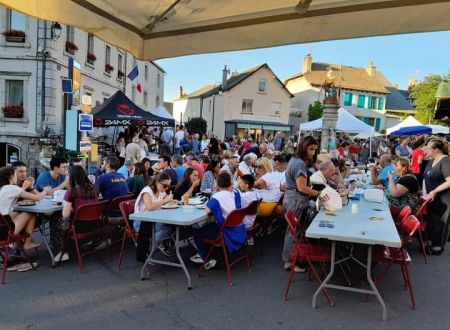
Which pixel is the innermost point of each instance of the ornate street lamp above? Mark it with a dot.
(55, 30)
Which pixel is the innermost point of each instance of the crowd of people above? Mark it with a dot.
(285, 173)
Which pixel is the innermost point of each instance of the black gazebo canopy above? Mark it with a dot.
(119, 110)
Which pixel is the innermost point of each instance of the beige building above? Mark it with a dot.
(364, 92)
(33, 64)
(254, 101)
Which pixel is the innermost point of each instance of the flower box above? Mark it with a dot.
(120, 74)
(71, 47)
(108, 67)
(13, 111)
(91, 58)
(14, 35)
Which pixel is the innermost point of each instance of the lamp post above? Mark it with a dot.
(55, 30)
(213, 105)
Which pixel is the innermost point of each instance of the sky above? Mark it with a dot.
(399, 57)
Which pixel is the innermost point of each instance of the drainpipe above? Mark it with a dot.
(44, 62)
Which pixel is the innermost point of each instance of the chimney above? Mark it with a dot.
(225, 73)
(371, 69)
(181, 92)
(307, 63)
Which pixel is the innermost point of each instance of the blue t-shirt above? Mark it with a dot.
(383, 175)
(234, 237)
(112, 185)
(180, 172)
(45, 180)
(404, 151)
(124, 171)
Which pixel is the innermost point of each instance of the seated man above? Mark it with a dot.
(23, 180)
(164, 165)
(178, 166)
(220, 205)
(111, 184)
(379, 173)
(56, 178)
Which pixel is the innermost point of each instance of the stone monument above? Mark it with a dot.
(330, 112)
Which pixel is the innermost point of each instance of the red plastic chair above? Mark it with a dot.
(423, 209)
(127, 208)
(234, 219)
(400, 255)
(19, 240)
(85, 214)
(402, 215)
(304, 251)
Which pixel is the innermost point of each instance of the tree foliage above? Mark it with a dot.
(315, 111)
(424, 98)
(197, 125)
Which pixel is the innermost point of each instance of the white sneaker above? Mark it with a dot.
(65, 257)
(210, 264)
(197, 259)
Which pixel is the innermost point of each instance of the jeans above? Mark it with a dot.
(208, 231)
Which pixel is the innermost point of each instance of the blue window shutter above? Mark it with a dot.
(369, 102)
(377, 124)
(380, 103)
(348, 98)
(361, 101)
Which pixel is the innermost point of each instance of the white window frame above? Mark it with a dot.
(70, 33)
(9, 13)
(146, 72)
(90, 44)
(107, 55)
(245, 106)
(262, 90)
(25, 77)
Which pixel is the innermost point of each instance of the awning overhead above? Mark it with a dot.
(119, 110)
(167, 28)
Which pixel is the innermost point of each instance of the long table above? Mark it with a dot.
(42, 208)
(356, 228)
(179, 217)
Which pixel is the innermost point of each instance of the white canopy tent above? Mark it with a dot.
(437, 129)
(166, 28)
(346, 122)
(365, 136)
(408, 122)
(162, 112)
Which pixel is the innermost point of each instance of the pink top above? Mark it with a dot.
(415, 167)
(77, 201)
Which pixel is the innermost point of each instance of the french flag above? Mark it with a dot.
(134, 77)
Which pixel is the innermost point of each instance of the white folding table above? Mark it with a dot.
(179, 217)
(44, 207)
(355, 228)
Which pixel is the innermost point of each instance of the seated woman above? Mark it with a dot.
(139, 180)
(189, 186)
(220, 205)
(9, 194)
(209, 178)
(151, 198)
(268, 186)
(80, 192)
(405, 191)
(148, 167)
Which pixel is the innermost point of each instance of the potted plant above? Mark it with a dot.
(14, 35)
(108, 67)
(13, 111)
(91, 58)
(71, 47)
(120, 74)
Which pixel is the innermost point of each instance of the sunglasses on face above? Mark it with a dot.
(164, 185)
